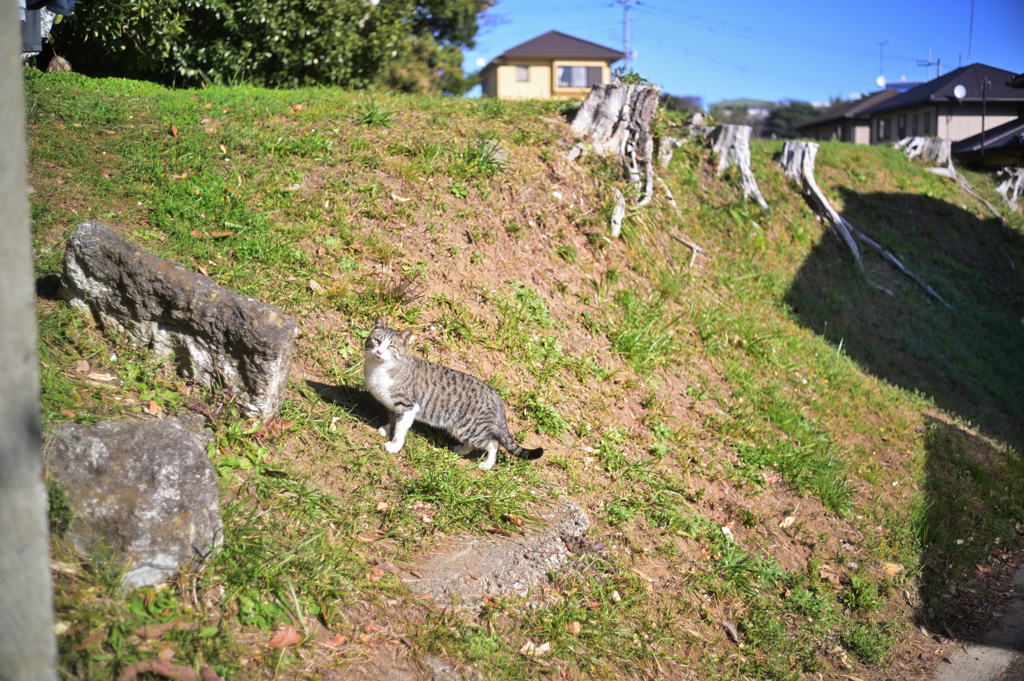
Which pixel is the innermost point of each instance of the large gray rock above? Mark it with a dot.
(146, 490)
(174, 312)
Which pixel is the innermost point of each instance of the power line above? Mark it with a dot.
(750, 33)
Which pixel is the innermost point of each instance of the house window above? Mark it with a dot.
(901, 126)
(913, 125)
(579, 76)
(523, 74)
(882, 133)
(927, 124)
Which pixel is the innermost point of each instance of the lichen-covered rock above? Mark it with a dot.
(174, 312)
(144, 490)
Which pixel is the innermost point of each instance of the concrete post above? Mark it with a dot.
(28, 648)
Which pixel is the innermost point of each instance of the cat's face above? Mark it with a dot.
(384, 344)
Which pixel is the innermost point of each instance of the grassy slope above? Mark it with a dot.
(770, 381)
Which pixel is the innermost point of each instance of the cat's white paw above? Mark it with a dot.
(393, 447)
(383, 430)
(486, 465)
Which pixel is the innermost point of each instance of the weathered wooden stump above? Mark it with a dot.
(617, 117)
(926, 148)
(732, 144)
(798, 163)
(1012, 186)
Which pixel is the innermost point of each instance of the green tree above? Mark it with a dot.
(784, 118)
(274, 43)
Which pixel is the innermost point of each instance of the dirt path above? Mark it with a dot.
(996, 655)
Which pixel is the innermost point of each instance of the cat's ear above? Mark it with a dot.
(407, 336)
(380, 323)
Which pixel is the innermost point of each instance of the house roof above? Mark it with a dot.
(941, 89)
(850, 110)
(557, 45)
(1017, 81)
(1006, 136)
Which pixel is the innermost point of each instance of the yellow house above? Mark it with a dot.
(553, 65)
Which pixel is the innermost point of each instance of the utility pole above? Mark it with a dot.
(984, 86)
(626, 4)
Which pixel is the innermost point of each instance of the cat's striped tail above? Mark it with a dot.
(515, 450)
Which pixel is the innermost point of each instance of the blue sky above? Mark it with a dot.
(806, 50)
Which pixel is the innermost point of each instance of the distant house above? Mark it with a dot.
(846, 121)
(553, 65)
(933, 110)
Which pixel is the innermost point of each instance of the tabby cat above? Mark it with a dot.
(413, 389)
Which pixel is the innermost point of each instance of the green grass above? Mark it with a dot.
(770, 381)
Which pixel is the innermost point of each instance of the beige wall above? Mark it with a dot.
(537, 87)
(957, 125)
(862, 133)
(948, 121)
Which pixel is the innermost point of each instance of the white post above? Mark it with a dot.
(28, 649)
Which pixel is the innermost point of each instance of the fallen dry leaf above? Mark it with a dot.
(168, 671)
(166, 654)
(154, 408)
(892, 569)
(223, 149)
(202, 270)
(217, 235)
(427, 596)
(383, 505)
(296, 107)
(82, 366)
(273, 428)
(730, 629)
(369, 629)
(174, 131)
(158, 630)
(513, 518)
(322, 250)
(197, 234)
(67, 412)
(285, 638)
(366, 640)
(787, 521)
(574, 627)
(314, 286)
(338, 640)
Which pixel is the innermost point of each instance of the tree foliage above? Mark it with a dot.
(274, 43)
(682, 103)
(784, 118)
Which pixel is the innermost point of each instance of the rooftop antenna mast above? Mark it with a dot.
(929, 63)
(881, 73)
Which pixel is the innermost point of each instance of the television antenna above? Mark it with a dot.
(929, 63)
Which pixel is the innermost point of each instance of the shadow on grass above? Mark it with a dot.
(974, 491)
(968, 361)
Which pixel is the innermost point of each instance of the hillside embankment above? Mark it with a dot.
(785, 465)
